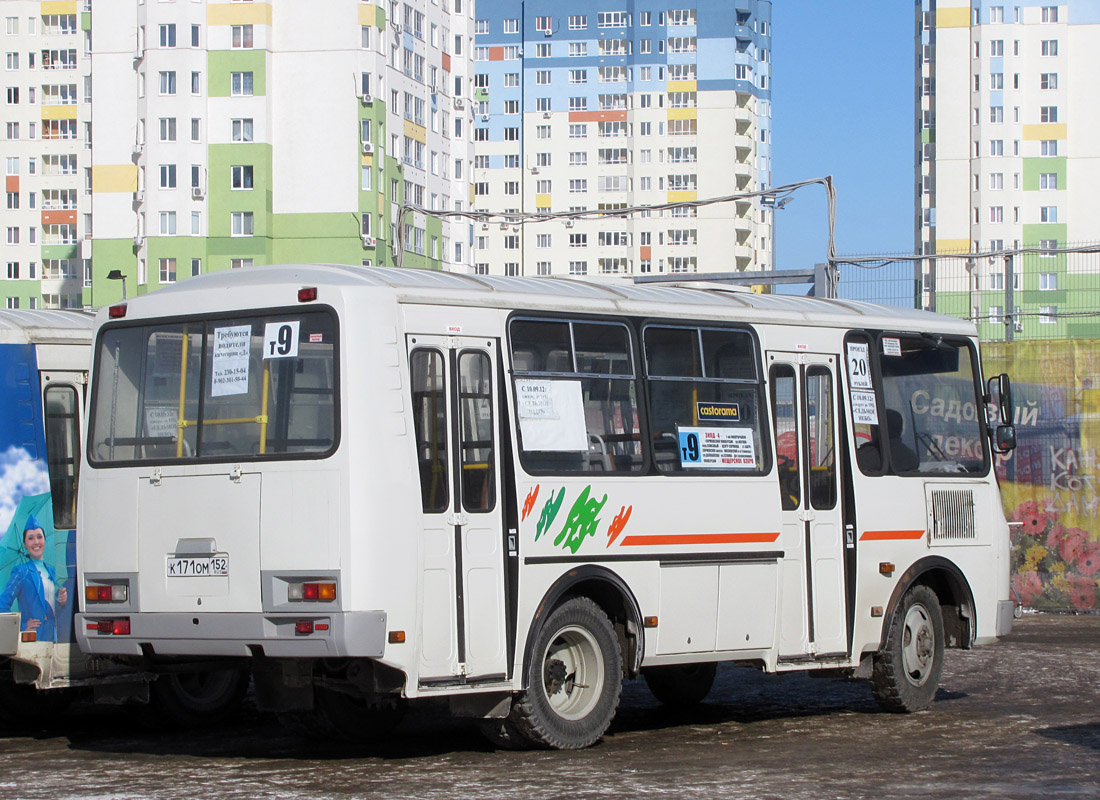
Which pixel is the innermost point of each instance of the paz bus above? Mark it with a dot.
(381, 485)
(44, 358)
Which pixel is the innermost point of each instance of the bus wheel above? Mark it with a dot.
(907, 671)
(194, 699)
(574, 679)
(505, 734)
(681, 684)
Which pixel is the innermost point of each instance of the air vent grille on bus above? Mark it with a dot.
(952, 515)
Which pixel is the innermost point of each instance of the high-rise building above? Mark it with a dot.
(601, 106)
(230, 133)
(1008, 157)
(44, 121)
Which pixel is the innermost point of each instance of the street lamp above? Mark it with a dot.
(116, 275)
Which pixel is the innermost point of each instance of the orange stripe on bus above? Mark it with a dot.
(698, 538)
(889, 535)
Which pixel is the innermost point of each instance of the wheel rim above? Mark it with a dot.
(918, 645)
(573, 672)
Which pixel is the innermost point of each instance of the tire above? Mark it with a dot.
(681, 684)
(504, 734)
(196, 699)
(337, 715)
(573, 681)
(906, 673)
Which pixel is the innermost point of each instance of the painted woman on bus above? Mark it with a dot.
(34, 584)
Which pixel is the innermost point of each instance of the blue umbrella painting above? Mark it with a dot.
(33, 576)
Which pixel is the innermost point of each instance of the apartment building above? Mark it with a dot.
(1008, 157)
(604, 106)
(233, 133)
(44, 128)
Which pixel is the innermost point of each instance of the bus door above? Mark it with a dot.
(455, 401)
(804, 391)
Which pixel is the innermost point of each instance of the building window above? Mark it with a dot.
(242, 130)
(242, 37)
(238, 263)
(241, 177)
(996, 147)
(996, 180)
(168, 129)
(1048, 214)
(1048, 180)
(167, 35)
(168, 83)
(996, 80)
(241, 223)
(1049, 14)
(1048, 281)
(1048, 47)
(241, 84)
(1048, 80)
(578, 49)
(1048, 315)
(167, 176)
(578, 22)
(167, 270)
(578, 267)
(167, 223)
(1048, 113)
(996, 214)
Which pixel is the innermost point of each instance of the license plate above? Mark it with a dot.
(198, 567)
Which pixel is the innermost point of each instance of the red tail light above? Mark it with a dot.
(117, 312)
(303, 627)
(306, 295)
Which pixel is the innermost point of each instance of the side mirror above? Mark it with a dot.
(1006, 438)
(1004, 390)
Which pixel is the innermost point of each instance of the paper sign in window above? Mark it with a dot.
(281, 339)
(229, 373)
(864, 408)
(717, 448)
(859, 365)
(161, 422)
(551, 415)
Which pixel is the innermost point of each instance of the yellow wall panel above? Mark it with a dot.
(953, 17)
(417, 132)
(542, 201)
(58, 112)
(683, 86)
(238, 14)
(683, 113)
(1050, 130)
(952, 245)
(58, 7)
(114, 178)
(682, 197)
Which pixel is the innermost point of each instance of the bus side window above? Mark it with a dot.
(698, 379)
(785, 425)
(62, 446)
(429, 404)
(475, 382)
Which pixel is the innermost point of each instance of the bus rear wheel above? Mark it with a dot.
(195, 699)
(339, 715)
(574, 679)
(681, 684)
(906, 673)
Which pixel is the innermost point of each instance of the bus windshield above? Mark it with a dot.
(243, 387)
(932, 407)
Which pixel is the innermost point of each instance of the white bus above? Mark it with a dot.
(514, 493)
(44, 360)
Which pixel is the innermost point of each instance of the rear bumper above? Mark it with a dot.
(351, 634)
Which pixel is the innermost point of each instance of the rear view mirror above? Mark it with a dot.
(1005, 438)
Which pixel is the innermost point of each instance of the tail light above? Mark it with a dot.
(311, 592)
(111, 627)
(107, 593)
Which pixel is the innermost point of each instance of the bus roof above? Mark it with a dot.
(18, 326)
(268, 286)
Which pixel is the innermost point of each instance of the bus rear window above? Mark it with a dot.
(231, 388)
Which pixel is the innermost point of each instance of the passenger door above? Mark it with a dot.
(456, 401)
(813, 621)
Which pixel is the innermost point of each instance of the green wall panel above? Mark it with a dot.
(1034, 166)
(221, 63)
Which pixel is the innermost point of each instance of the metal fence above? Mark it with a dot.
(1026, 293)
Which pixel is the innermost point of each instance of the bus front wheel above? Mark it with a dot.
(907, 670)
(574, 678)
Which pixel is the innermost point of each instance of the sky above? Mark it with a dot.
(842, 105)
